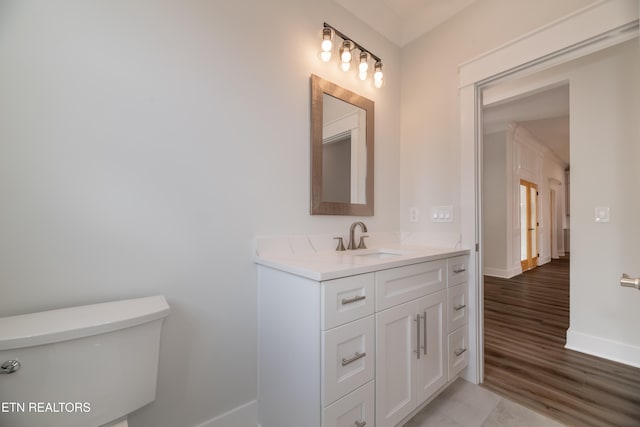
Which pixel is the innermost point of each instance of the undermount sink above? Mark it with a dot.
(380, 253)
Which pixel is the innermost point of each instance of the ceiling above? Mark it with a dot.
(402, 21)
(545, 114)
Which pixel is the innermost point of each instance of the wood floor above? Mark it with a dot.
(526, 319)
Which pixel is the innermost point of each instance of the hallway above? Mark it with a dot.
(526, 318)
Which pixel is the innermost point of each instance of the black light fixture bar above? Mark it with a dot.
(357, 45)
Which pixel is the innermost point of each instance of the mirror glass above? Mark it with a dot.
(341, 151)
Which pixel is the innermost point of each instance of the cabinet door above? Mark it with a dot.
(395, 364)
(431, 369)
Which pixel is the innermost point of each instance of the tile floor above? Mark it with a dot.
(468, 405)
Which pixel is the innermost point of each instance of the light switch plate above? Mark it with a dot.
(602, 214)
(442, 214)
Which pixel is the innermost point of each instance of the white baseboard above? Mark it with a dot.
(544, 260)
(502, 273)
(243, 416)
(603, 347)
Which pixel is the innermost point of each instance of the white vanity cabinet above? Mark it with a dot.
(366, 349)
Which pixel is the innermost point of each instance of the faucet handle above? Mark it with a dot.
(361, 245)
(340, 246)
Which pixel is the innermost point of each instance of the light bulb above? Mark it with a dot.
(363, 66)
(327, 44)
(346, 66)
(345, 51)
(325, 56)
(377, 75)
(362, 75)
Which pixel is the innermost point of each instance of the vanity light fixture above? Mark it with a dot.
(346, 51)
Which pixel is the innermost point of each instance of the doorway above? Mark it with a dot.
(562, 41)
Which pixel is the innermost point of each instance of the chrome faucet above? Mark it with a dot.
(352, 232)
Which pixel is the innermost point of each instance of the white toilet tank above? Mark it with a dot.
(82, 366)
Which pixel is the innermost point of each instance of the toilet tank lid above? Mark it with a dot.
(46, 327)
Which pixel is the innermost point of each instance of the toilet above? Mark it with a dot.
(86, 366)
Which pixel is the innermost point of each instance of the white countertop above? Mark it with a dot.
(331, 264)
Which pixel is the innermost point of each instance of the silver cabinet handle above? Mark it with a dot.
(361, 423)
(459, 352)
(417, 320)
(9, 367)
(355, 357)
(459, 270)
(424, 318)
(357, 298)
(459, 307)
(630, 282)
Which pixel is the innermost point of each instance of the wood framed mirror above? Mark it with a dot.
(342, 150)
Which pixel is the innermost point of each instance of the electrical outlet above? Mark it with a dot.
(602, 214)
(414, 214)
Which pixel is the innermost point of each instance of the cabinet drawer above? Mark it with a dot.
(458, 351)
(398, 285)
(355, 409)
(457, 270)
(457, 307)
(346, 299)
(348, 358)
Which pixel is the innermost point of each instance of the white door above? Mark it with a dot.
(431, 371)
(395, 364)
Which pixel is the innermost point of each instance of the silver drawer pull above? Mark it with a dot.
(459, 352)
(361, 423)
(459, 307)
(459, 270)
(9, 367)
(357, 298)
(355, 357)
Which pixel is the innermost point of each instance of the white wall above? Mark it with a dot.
(430, 156)
(144, 144)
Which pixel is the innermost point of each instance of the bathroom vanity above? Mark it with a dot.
(362, 337)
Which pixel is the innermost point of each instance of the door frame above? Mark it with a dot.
(598, 26)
